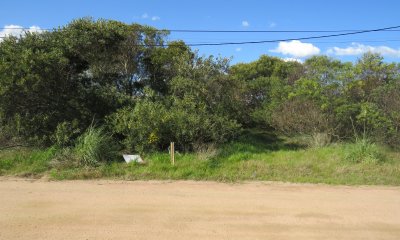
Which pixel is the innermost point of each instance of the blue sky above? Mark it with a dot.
(234, 15)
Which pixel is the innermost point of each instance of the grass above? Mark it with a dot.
(256, 155)
(364, 151)
(26, 162)
(95, 146)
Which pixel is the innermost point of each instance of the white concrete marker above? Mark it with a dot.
(132, 158)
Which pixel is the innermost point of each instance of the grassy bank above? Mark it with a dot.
(255, 156)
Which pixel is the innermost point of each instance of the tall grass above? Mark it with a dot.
(364, 151)
(95, 146)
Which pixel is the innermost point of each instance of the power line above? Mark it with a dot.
(282, 40)
(267, 31)
(293, 39)
(364, 41)
(347, 41)
(224, 31)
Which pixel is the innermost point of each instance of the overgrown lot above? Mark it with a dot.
(83, 93)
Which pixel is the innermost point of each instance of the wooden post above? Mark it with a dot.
(172, 153)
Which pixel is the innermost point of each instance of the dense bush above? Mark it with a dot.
(153, 125)
(331, 100)
(80, 72)
(300, 116)
(66, 133)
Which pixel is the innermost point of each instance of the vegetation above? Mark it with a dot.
(94, 146)
(73, 99)
(256, 155)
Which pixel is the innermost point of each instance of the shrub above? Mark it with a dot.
(139, 126)
(205, 151)
(301, 116)
(95, 146)
(10, 132)
(65, 133)
(320, 140)
(5, 137)
(364, 151)
(153, 125)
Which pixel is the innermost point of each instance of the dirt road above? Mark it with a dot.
(195, 210)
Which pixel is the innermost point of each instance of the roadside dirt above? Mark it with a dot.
(195, 210)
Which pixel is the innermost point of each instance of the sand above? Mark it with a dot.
(41, 209)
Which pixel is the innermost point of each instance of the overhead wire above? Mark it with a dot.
(225, 31)
(293, 39)
(342, 33)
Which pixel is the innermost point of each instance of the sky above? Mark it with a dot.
(245, 15)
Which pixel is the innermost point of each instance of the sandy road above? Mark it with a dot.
(195, 210)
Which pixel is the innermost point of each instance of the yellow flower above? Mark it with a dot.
(153, 137)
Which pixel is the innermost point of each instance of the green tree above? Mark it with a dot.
(78, 73)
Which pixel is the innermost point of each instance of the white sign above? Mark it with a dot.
(132, 158)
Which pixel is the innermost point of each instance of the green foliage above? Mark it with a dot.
(153, 125)
(386, 121)
(140, 125)
(255, 155)
(163, 64)
(147, 93)
(65, 133)
(26, 162)
(76, 73)
(263, 84)
(332, 99)
(201, 107)
(30, 71)
(95, 146)
(301, 116)
(364, 151)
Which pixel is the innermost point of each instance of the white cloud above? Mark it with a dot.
(358, 49)
(35, 29)
(292, 60)
(245, 23)
(272, 24)
(296, 49)
(16, 30)
(238, 49)
(152, 18)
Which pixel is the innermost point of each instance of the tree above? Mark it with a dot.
(78, 73)
(163, 64)
(263, 82)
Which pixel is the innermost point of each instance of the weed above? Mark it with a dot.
(364, 151)
(95, 146)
